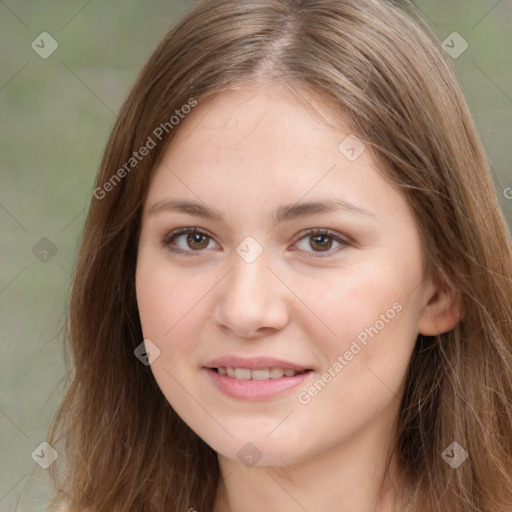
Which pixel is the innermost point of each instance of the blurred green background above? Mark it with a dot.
(56, 114)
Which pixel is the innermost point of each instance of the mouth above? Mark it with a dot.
(256, 384)
(258, 374)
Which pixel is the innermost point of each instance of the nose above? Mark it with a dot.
(251, 301)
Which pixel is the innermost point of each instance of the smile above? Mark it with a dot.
(263, 374)
(260, 384)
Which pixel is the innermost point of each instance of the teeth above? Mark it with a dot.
(276, 373)
(242, 374)
(260, 374)
(265, 374)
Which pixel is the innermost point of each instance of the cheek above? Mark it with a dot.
(365, 361)
(170, 309)
(354, 302)
(374, 320)
(166, 298)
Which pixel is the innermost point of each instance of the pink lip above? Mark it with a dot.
(254, 363)
(254, 389)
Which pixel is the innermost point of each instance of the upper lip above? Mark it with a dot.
(254, 363)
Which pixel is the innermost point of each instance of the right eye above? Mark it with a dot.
(187, 241)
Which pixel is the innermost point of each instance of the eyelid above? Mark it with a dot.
(175, 233)
(344, 240)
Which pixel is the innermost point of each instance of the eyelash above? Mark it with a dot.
(170, 237)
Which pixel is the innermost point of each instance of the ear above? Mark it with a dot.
(442, 309)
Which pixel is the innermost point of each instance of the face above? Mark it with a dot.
(249, 281)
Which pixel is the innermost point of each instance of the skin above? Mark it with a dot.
(246, 153)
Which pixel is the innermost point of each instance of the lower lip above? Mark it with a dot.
(254, 389)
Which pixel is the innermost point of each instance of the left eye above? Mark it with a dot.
(322, 241)
(194, 240)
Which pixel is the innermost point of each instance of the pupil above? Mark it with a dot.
(195, 238)
(322, 246)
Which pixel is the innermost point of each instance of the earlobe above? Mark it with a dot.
(442, 312)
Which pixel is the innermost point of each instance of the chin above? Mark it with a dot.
(255, 449)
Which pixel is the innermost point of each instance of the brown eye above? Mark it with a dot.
(320, 242)
(196, 241)
(187, 241)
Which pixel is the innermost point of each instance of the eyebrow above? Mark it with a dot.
(285, 212)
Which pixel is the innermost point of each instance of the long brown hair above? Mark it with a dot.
(122, 446)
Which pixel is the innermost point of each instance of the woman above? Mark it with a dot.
(293, 290)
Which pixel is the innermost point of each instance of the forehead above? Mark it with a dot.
(263, 146)
(269, 112)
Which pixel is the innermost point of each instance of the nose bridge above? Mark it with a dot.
(249, 281)
(249, 278)
(251, 297)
